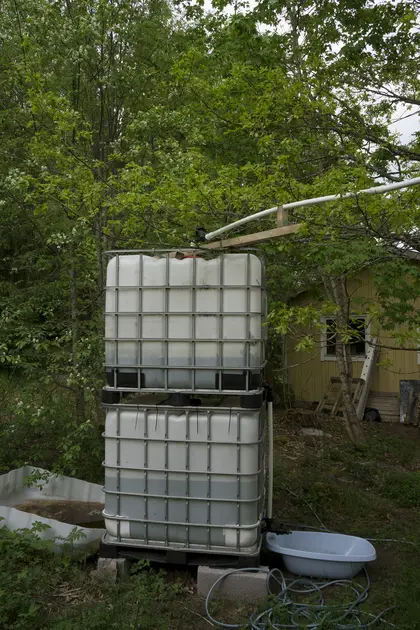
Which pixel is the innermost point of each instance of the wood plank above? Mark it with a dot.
(249, 239)
(358, 392)
(337, 404)
(282, 217)
(324, 402)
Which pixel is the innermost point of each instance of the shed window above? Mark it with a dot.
(357, 327)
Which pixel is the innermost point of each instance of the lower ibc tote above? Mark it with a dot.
(184, 479)
(185, 467)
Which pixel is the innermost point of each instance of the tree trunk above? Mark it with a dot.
(337, 293)
(293, 16)
(79, 390)
(99, 256)
(344, 363)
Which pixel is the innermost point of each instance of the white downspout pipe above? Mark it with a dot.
(270, 460)
(314, 201)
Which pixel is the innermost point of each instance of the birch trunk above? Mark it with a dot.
(337, 293)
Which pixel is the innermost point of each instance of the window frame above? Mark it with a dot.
(330, 357)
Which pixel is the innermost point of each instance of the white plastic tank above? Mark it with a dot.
(185, 477)
(191, 324)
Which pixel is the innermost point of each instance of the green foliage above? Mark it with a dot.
(26, 567)
(128, 125)
(38, 427)
(34, 581)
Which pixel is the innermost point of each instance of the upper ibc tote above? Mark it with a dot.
(188, 322)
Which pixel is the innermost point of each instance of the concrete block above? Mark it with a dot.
(313, 433)
(241, 586)
(106, 571)
(111, 569)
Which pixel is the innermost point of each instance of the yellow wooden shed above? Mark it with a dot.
(308, 372)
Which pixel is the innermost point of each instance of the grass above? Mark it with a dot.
(373, 492)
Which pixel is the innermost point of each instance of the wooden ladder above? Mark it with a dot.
(332, 399)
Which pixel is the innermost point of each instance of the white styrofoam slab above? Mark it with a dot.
(13, 491)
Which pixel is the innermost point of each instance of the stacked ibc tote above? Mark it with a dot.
(185, 406)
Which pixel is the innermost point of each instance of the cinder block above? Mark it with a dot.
(106, 570)
(112, 570)
(243, 585)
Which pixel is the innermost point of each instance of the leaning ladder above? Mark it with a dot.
(368, 370)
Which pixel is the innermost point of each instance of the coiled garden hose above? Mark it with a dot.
(284, 610)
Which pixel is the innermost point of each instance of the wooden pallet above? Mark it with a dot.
(180, 557)
(387, 403)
